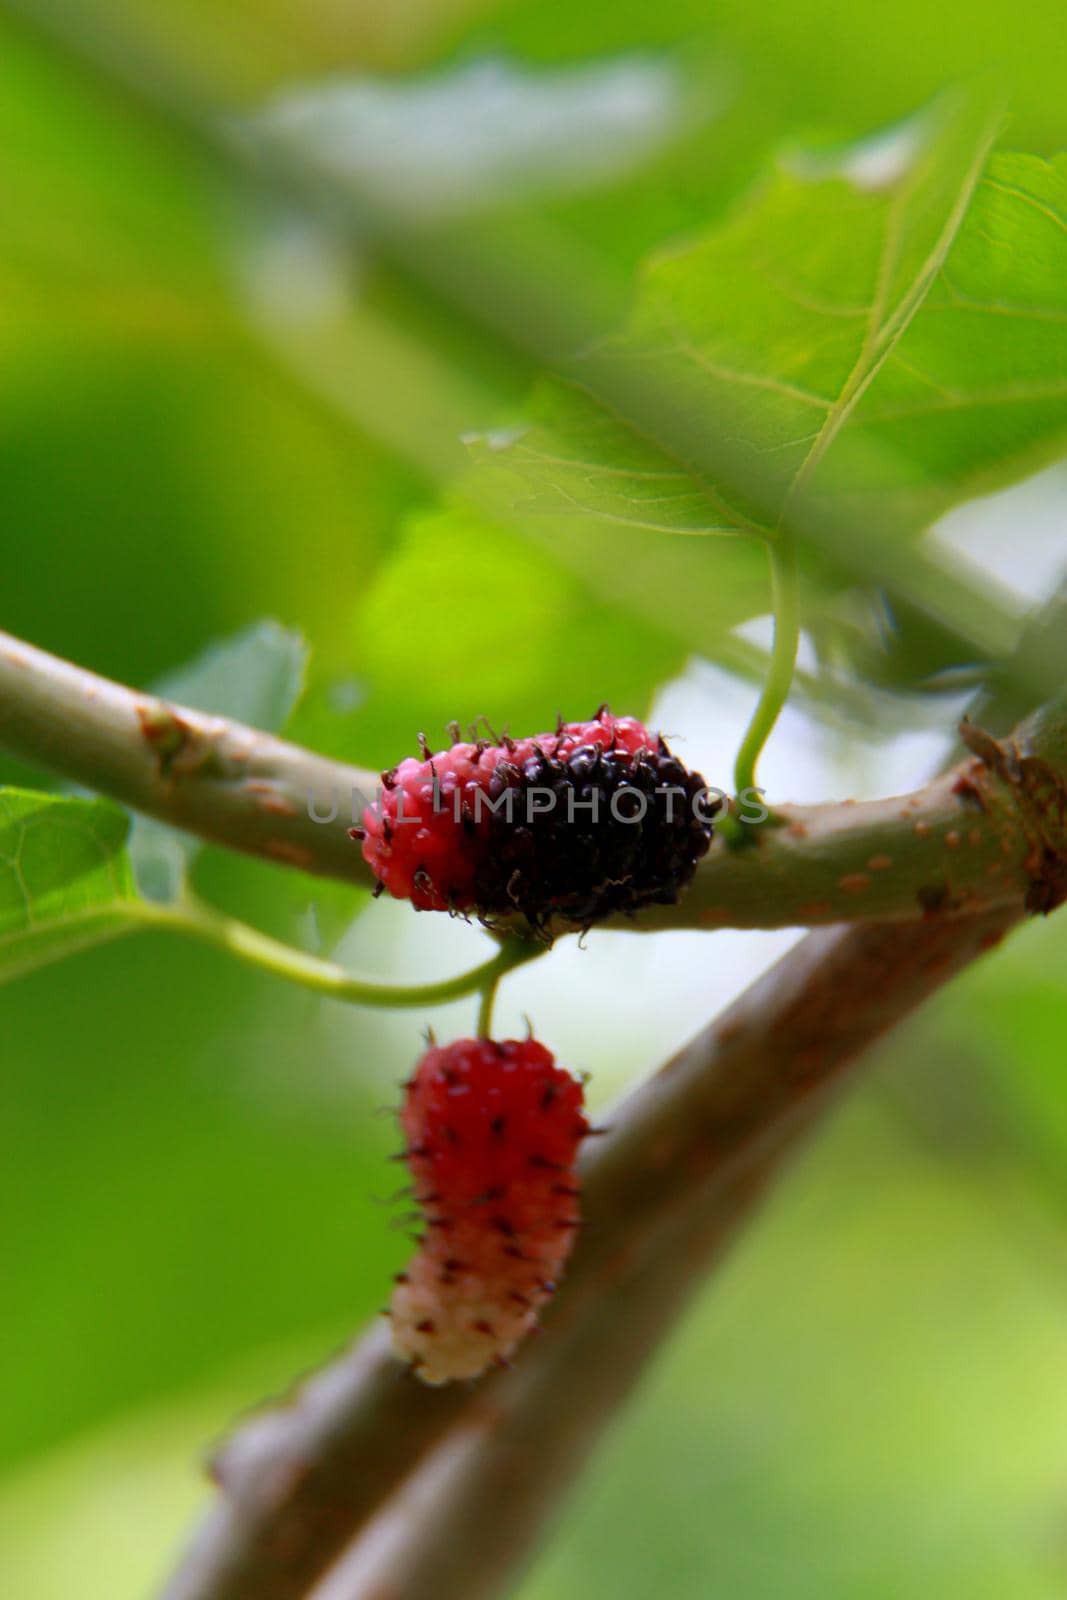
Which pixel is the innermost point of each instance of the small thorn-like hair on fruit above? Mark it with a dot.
(492, 1130)
(571, 826)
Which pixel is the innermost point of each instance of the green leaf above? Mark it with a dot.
(974, 393)
(854, 351)
(765, 334)
(256, 677)
(65, 880)
(590, 492)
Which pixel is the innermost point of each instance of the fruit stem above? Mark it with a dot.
(194, 917)
(513, 953)
(779, 680)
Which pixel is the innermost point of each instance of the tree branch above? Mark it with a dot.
(686, 1159)
(228, 783)
(973, 840)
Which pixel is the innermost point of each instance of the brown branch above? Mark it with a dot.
(228, 783)
(687, 1157)
(963, 844)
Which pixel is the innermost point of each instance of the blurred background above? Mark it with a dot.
(222, 404)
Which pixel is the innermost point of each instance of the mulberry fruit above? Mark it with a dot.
(596, 818)
(492, 1131)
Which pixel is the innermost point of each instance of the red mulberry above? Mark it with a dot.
(492, 1131)
(596, 818)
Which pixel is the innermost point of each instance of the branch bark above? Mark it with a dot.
(971, 841)
(687, 1157)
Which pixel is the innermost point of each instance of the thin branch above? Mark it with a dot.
(968, 842)
(685, 1160)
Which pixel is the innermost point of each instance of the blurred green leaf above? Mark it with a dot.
(589, 492)
(256, 677)
(466, 621)
(583, 463)
(65, 879)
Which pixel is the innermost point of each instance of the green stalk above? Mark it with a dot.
(512, 954)
(201, 921)
(779, 680)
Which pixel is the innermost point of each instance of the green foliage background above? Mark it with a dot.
(870, 1400)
